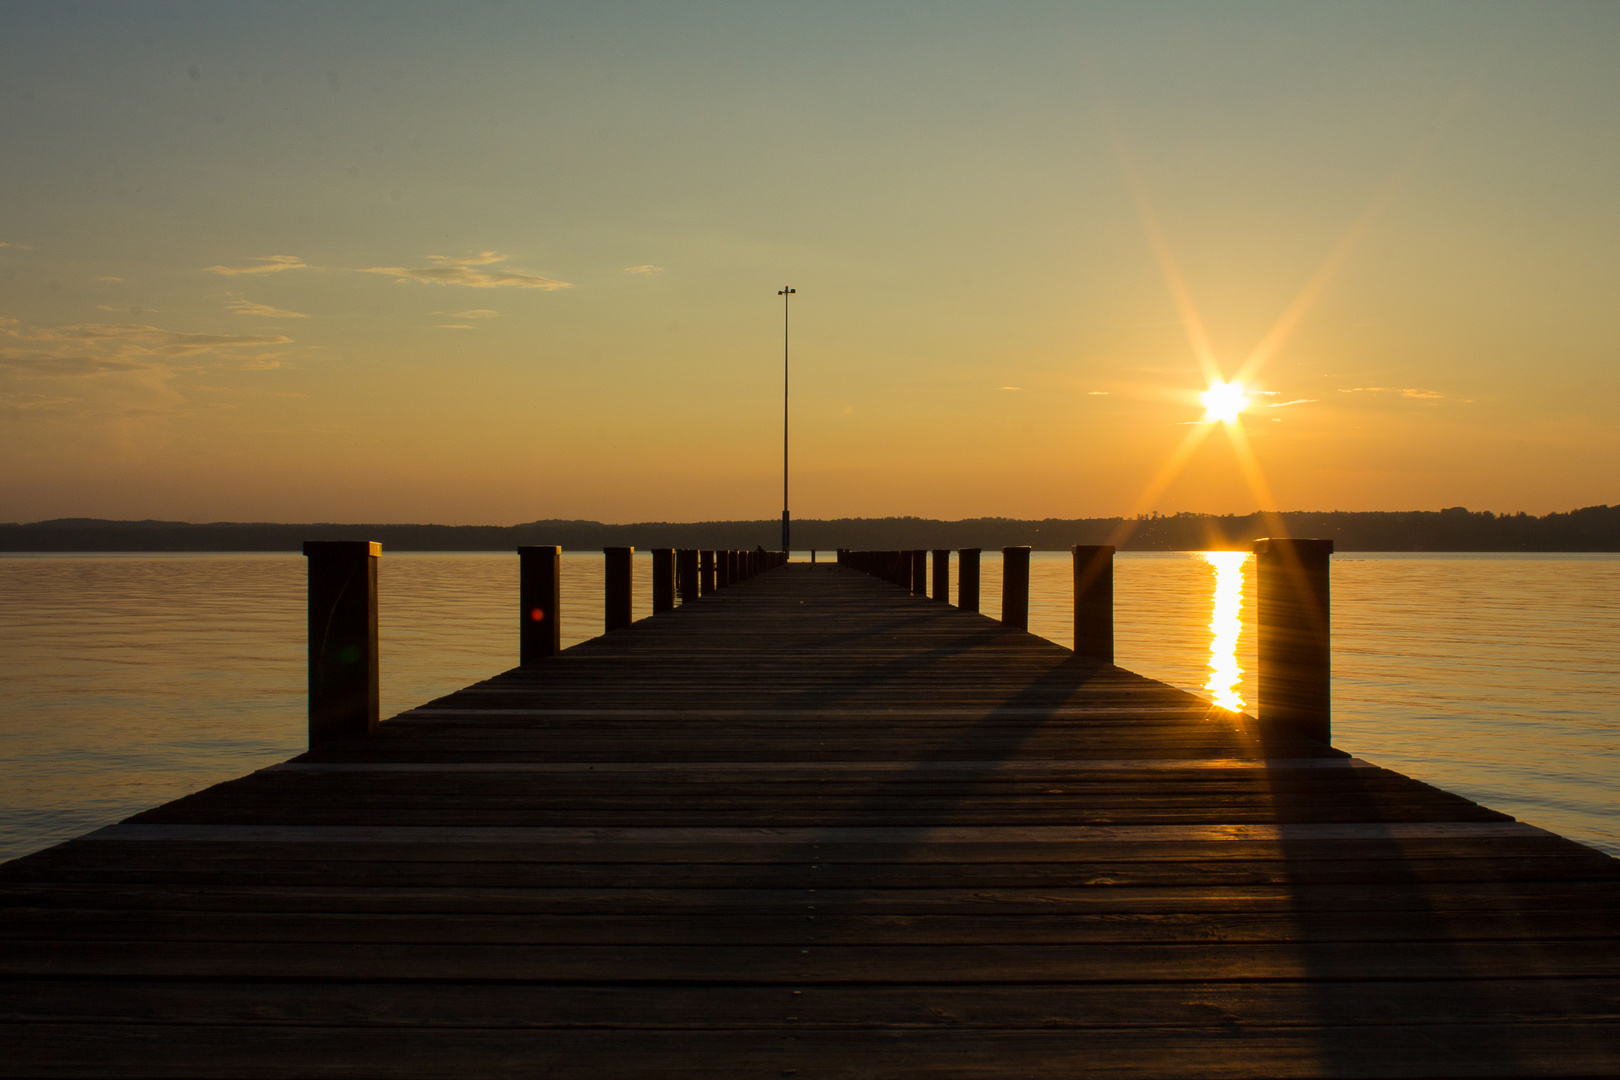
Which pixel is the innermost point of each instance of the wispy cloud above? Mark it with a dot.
(454, 326)
(243, 306)
(106, 370)
(1410, 392)
(471, 270)
(645, 268)
(1096, 393)
(1009, 388)
(474, 313)
(1285, 404)
(108, 278)
(268, 264)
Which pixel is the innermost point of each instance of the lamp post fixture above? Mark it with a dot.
(784, 294)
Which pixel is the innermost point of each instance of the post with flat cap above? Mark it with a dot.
(616, 588)
(663, 560)
(1295, 676)
(344, 697)
(539, 603)
(967, 579)
(1015, 587)
(1094, 601)
(942, 575)
(686, 574)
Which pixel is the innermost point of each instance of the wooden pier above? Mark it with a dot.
(814, 825)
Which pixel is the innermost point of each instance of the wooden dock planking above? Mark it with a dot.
(807, 826)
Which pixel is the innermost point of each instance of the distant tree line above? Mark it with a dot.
(1593, 528)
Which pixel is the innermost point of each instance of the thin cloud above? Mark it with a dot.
(475, 313)
(454, 326)
(269, 264)
(1409, 392)
(469, 271)
(247, 307)
(1096, 393)
(647, 269)
(122, 371)
(1285, 404)
(1009, 388)
(109, 278)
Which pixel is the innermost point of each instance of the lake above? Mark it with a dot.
(129, 680)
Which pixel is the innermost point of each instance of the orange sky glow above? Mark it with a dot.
(488, 264)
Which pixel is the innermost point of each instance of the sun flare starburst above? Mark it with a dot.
(1223, 401)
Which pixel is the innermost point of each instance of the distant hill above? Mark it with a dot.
(1593, 528)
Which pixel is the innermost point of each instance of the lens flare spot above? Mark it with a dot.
(537, 615)
(1223, 401)
(1225, 627)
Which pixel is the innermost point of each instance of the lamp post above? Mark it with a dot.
(784, 294)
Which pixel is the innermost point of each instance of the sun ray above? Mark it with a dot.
(1192, 323)
(1225, 399)
(1161, 480)
(1340, 253)
(1249, 465)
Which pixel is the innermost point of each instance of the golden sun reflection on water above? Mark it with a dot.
(1225, 627)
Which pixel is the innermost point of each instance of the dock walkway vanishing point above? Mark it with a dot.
(814, 826)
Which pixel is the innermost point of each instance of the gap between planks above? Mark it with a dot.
(1051, 834)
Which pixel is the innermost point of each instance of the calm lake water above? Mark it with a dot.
(129, 680)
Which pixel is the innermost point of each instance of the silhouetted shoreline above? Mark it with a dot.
(1593, 528)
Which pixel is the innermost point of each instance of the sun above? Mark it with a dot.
(1223, 401)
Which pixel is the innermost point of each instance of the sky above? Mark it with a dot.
(483, 263)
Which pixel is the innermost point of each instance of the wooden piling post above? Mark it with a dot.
(1295, 661)
(1015, 587)
(686, 574)
(919, 572)
(967, 579)
(942, 574)
(1094, 601)
(539, 603)
(344, 690)
(663, 560)
(705, 573)
(616, 587)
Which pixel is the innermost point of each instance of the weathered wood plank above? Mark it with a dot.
(813, 825)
